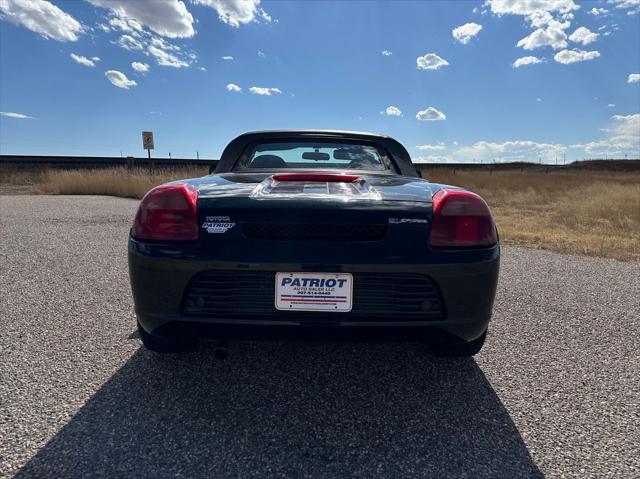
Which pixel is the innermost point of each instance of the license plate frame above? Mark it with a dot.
(319, 292)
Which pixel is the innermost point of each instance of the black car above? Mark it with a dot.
(323, 234)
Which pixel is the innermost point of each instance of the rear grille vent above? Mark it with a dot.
(376, 296)
(314, 232)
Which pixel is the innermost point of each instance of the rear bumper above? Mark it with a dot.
(160, 277)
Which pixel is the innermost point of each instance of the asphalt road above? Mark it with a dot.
(555, 391)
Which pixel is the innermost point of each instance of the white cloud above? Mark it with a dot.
(83, 60)
(465, 32)
(528, 7)
(598, 11)
(140, 67)
(583, 35)
(236, 12)
(261, 54)
(387, 53)
(233, 87)
(553, 35)
(203, 69)
(433, 159)
(430, 61)
(129, 43)
(17, 116)
(526, 61)
(41, 17)
(623, 136)
(539, 100)
(518, 150)
(227, 58)
(572, 56)
(165, 58)
(125, 24)
(611, 105)
(430, 114)
(391, 111)
(95, 59)
(438, 147)
(632, 5)
(169, 18)
(256, 90)
(633, 78)
(119, 79)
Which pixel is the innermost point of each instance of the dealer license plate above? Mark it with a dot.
(314, 292)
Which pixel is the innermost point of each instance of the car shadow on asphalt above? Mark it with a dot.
(290, 409)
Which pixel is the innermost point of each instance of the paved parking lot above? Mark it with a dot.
(554, 392)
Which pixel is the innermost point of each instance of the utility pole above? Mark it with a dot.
(197, 155)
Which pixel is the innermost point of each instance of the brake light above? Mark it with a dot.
(461, 218)
(168, 213)
(327, 177)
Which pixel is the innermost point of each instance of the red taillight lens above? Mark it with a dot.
(326, 177)
(168, 213)
(461, 218)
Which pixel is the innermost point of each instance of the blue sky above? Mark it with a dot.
(499, 80)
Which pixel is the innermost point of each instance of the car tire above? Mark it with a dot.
(165, 344)
(460, 349)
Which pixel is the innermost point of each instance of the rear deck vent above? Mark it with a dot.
(314, 232)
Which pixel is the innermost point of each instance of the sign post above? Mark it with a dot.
(147, 144)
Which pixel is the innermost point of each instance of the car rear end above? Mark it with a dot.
(313, 255)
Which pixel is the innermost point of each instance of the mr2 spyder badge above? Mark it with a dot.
(404, 221)
(217, 224)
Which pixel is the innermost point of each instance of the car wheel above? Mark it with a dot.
(460, 349)
(164, 344)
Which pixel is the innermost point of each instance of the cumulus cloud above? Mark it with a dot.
(598, 11)
(17, 116)
(169, 18)
(465, 32)
(438, 147)
(529, 7)
(387, 53)
(83, 60)
(140, 67)
(583, 35)
(526, 61)
(257, 90)
(233, 87)
(119, 79)
(623, 136)
(572, 56)
(430, 114)
(633, 78)
(518, 150)
(392, 111)
(611, 105)
(430, 61)
(43, 18)
(227, 58)
(236, 12)
(553, 35)
(125, 24)
(165, 58)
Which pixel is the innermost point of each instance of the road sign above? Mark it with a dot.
(147, 140)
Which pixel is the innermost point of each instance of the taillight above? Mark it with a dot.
(461, 218)
(168, 213)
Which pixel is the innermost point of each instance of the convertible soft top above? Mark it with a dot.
(233, 151)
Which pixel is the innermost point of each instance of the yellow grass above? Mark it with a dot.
(113, 181)
(578, 212)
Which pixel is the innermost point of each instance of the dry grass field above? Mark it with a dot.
(570, 211)
(577, 212)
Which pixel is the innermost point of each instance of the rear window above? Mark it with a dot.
(315, 154)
